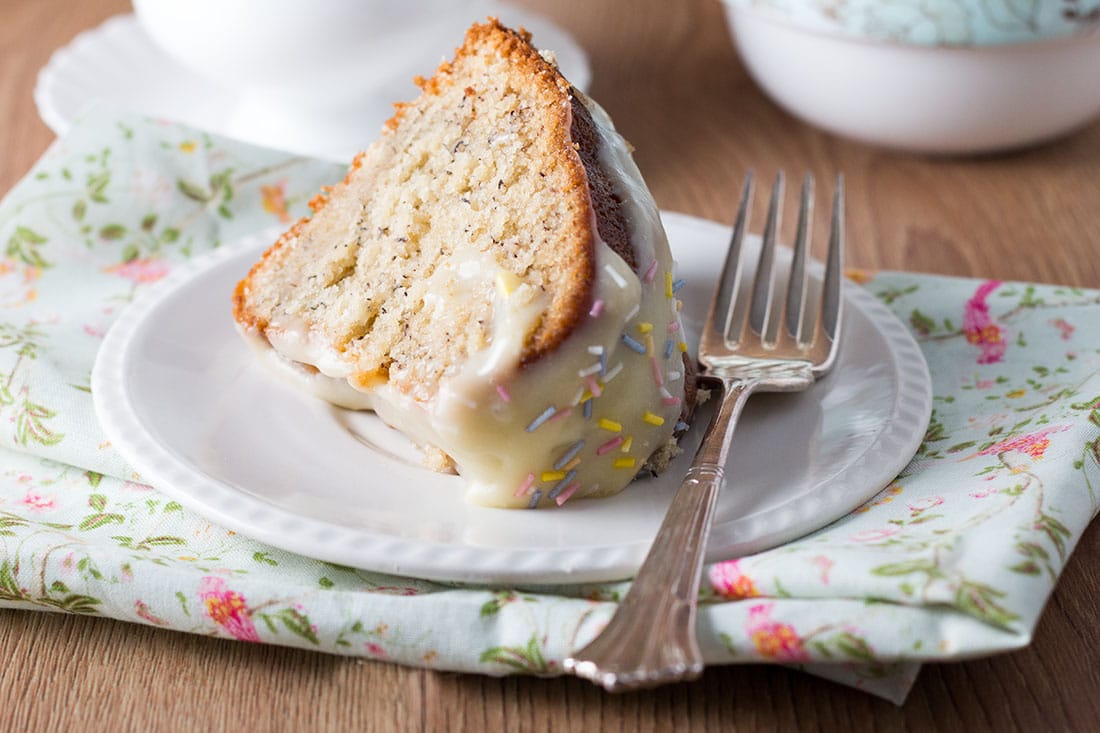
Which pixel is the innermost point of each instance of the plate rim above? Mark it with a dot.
(266, 522)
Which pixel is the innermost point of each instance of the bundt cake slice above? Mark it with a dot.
(492, 279)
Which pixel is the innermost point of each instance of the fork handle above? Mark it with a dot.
(651, 638)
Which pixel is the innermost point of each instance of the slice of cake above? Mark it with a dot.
(492, 279)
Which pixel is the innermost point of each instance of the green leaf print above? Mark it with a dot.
(30, 424)
(527, 658)
(295, 622)
(905, 568)
(95, 521)
(978, 600)
(25, 246)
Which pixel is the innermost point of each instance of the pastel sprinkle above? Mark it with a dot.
(572, 464)
(561, 485)
(645, 327)
(612, 373)
(603, 364)
(596, 350)
(650, 273)
(567, 492)
(610, 425)
(681, 425)
(673, 326)
(669, 346)
(535, 500)
(627, 444)
(658, 378)
(670, 401)
(677, 285)
(593, 386)
(597, 309)
(589, 371)
(668, 284)
(548, 476)
(633, 312)
(581, 396)
(503, 393)
(682, 346)
(624, 462)
(568, 455)
(613, 273)
(649, 343)
(633, 344)
(610, 445)
(674, 376)
(524, 487)
(538, 421)
(588, 409)
(652, 419)
(562, 414)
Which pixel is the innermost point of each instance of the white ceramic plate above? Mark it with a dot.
(119, 63)
(185, 401)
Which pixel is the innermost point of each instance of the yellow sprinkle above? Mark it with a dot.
(679, 305)
(611, 425)
(585, 396)
(627, 443)
(645, 326)
(668, 284)
(625, 462)
(548, 476)
(572, 464)
(506, 283)
(682, 346)
(652, 419)
(649, 343)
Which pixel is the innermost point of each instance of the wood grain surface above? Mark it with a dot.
(668, 75)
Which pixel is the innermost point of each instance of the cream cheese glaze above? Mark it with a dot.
(580, 422)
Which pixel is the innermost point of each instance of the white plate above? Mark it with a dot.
(119, 63)
(184, 400)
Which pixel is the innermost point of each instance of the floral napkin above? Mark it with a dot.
(953, 559)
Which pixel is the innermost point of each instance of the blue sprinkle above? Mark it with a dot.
(669, 346)
(535, 499)
(569, 454)
(538, 421)
(633, 344)
(677, 285)
(681, 426)
(560, 486)
(588, 409)
(603, 363)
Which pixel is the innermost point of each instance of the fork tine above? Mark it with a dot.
(797, 284)
(720, 317)
(831, 300)
(762, 288)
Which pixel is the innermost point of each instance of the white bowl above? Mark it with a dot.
(949, 99)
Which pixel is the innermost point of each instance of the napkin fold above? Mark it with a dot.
(954, 559)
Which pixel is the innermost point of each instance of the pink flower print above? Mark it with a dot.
(874, 535)
(227, 608)
(95, 331)
(375, 650)
(37, 502)
(924, 504)
(1033, 444)
(68, 564)
(141, 608)
(1064, 326)
(824, 566)
(773, 639)
(979, 328)
(143, 270)
(728, 580)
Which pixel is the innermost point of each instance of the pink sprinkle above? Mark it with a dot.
(503, 393)
(610, 445)
(597, 309)
(526, 485)
(567, 492)
(561, 414)
(593, 385)
(674, 327)
(671, 401)
(650, 273)
(657, 376)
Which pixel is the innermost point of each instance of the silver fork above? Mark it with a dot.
(745, 347)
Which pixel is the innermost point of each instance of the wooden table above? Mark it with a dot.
(667, 73)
